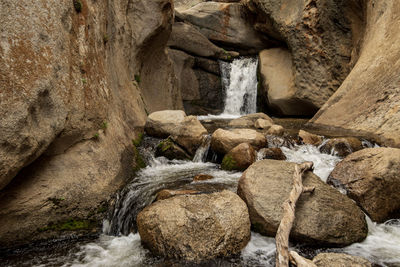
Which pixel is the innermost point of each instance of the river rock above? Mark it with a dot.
(325, 217)
(196, 227)
(227, 24)
(164, 123)
(167, 193)
(367, 102)
(276, 130)
(248, 121)
(167, 148)
(340, 260)
(310, 139)
(371, 177)
(202, 177)
(222, 141)
(190, 134)
(272, 153)
(263, 124)
(342, 146)
(239, 158)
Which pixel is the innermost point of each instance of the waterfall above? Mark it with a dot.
(239, 79)
(202, 151)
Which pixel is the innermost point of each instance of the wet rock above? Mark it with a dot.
(239, 158)
(342, 146)
(167, 148)
(196, 227)
(310, 139)
(222, 141)
(279, 141)
(190, 134)
(371, 177)
(199, 82)
(202, 177)
(272, 153)
(340, 260)
(167, 193)
(276, 130)
(248, 121)
(325, 217)
(263, 124)
(164, 123)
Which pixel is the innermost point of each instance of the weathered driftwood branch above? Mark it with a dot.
(289, 207)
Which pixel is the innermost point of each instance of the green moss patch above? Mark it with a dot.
(78, 5)
(139, 161)
(138, 141)
(228, 163)
(70, 225)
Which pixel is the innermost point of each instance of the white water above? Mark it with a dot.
(239, 80)
(323, 163)
(382, 246)
(201, 153)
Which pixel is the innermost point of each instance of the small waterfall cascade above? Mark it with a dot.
(239, 79)
(202, 151)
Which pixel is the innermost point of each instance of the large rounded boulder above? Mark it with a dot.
(196, 227)
(222, 141)
(325, 217)
(372, 178)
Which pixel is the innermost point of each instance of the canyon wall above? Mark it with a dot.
(77, 79)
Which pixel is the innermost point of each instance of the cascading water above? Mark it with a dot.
(241, 87)
(239, 80)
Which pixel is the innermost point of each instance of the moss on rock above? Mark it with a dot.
(228, 163)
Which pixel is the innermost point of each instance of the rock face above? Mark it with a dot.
(239, 158)
(68, 92)
(196, 227)
(199, 82)
(371, 177)
(325, 217)
(278, 84)
(226, 24)
(342, 146)
(340, 260)
(187, 38)
(222, 141)
(320, 36)
(367, 103)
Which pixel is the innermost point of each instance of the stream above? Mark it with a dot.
(119, 244)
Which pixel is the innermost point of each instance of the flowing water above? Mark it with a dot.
(239, 80)
(119, 245)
